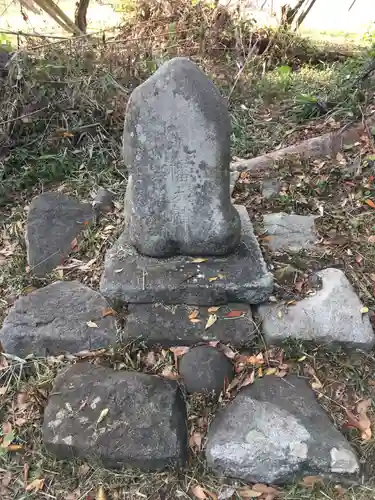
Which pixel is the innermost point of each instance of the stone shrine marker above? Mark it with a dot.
(177, 204)
(177, 145)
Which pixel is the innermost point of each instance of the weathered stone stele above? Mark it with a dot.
(144, 426)
(177, 147)
(274, 431)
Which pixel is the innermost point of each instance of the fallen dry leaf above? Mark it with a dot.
(169, 373)
(370, 203)
(211, 320)
(26, 468)
(91, 324)
(271, 371)
(213, 309)
(100, 495)
(213, 278)
(108, 312)
(199, 260)
(269, 491)
(74, 244)
(195, 320)
(311, 481)
(36, 485)
(179, 350)
(194, 314)
(199, 492)
(371, 239)
(235, 314)
(102, 415)
(255, 360)
(249, 379)
(246, 492)
(195, 440)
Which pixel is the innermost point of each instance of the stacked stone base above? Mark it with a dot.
(162, 292)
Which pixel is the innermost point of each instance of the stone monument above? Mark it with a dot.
(184, 243)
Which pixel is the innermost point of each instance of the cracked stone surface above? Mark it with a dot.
(53, 221)
(331, 316)
(275, 431)
(169, 325)
(54, 320)
(144, 427)
(289, 233)
(205, 369)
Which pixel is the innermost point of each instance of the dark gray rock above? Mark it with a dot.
(275, 430)
(53, 221)
(332, 315)
(177, 146)
(205, 369)
(56, 319)
(169, 325)
(242, 276)
(103, 201)
(270, 187)
(143, 425)
(290, 233)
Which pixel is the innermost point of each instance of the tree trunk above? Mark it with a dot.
(289, 13)
(80, 18)
(303, 14)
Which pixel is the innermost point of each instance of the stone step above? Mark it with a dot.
(121, 418)
(242, 276)
(169, 325)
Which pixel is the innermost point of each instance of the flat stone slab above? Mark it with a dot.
(53, 221)
(289, 233)
(275, 431)
(169, 325)
(121, 418)
(130, 277)
(332, 315)
(63, 317)
(205, 369)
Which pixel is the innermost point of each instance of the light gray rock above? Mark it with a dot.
(177, 146)
(332, 315)
(270, 187)
(205, 369)
(290, 233)
(53, 221)
(275, 430)
(144, 427)
(242, 276)
(56, 319)
(169, 325)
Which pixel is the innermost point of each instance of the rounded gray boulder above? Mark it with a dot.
(205, 369)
